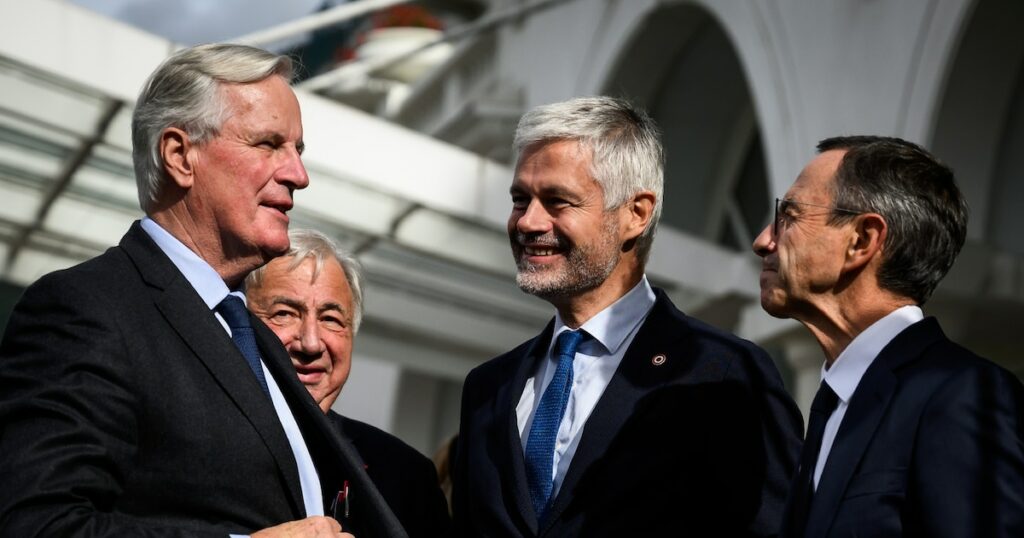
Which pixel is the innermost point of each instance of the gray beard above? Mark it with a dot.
(585, 269)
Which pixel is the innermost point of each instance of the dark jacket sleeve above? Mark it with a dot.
(405, 478)
(972, 431)
(68, 422)
(461, 520)
(781, 432)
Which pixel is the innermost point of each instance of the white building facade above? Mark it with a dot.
(417, 185)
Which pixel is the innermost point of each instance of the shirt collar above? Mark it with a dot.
(611, 326)
(848, 369)
(203, 278)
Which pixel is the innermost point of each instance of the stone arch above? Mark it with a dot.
(978, 129)
(682, 67)
(979, 123)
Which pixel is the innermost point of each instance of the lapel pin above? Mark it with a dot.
(659, 359)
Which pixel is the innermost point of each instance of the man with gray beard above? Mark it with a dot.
(624, 416)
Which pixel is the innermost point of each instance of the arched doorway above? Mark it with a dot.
(979, 129)
(681, 65)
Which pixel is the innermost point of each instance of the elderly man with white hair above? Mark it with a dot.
(138, 396)
(312, 299)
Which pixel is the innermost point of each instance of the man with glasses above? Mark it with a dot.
(909, 434)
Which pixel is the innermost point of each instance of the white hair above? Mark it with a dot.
(183, 92)
(318, 247)
(625, 146)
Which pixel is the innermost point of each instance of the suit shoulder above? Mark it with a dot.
(665, 317)
(502, 366)
(722, 340)
(383, 446)
(92, 290)
(722, 350)
(947, 362)
(100, 274)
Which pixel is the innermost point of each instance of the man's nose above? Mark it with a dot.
(309, 339)
(534, 218)
(764, 243)
(292, 172)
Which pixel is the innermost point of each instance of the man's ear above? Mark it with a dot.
(176, 148)
(865, 241)
(639, 211)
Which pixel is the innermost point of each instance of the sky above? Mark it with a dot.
(189, 22)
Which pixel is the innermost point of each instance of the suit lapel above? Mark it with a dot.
(636, 376)
(868, 405)
(181, 306)
(183, 309)
(515, 468)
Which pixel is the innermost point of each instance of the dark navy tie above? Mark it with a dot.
(540, 445)
(233, 310)
(825, 402)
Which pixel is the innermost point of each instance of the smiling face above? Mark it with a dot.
(802, 262)
(243, 178)
(563, 240)
(313, 319)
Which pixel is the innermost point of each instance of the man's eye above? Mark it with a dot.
(333, 323)
(558, 202)
(786, 211)
(282, 316)
(520, 202)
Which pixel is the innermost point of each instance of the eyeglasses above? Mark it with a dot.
(780, 209)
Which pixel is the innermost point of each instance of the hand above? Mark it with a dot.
(311, 527)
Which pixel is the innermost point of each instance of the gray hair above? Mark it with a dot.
(320, 248)
(624, 143)
(183, 93)
(916, 194)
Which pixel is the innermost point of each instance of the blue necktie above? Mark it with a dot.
(540, 445)
(233, 310)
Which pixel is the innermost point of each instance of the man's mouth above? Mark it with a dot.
(309, 375)
(539, 246)
(282, 207)
(539, 251)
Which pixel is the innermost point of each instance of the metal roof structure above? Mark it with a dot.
(426, 218)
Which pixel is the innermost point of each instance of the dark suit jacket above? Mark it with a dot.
(126, 410)
(703, 444)
(932, 444)
(405, 478)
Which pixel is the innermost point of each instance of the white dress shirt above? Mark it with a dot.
(211, 288)
(610, 333)
(848, 369)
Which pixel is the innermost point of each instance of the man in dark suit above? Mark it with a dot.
(909, 434)
(138, 397)
(312, 299)
(624, 416)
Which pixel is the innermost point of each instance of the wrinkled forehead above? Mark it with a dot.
(816, 181)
